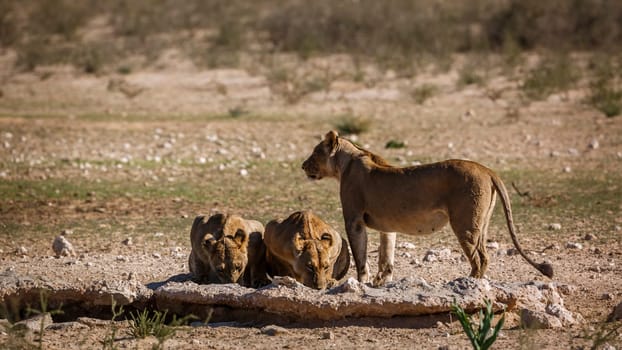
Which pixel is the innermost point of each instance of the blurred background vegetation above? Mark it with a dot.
(80, 32)
(121, 36)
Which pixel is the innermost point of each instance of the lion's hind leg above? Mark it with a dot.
(471, 230)
(386, 259)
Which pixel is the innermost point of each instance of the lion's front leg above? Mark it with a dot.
(357, 236)
(386, 259)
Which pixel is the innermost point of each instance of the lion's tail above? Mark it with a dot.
(545, 268)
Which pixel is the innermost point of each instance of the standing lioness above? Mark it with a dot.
(412, 200)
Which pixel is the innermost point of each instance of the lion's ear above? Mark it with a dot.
(240, 237)
(331, 141)
(298, 244)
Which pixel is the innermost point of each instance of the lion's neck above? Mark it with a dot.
(344, 156)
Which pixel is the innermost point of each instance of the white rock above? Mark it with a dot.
(437, 254)
(492, 245)
(243, 172)
(554, 226)
(594, 144)
(531, 319)
(62, 247)
(406, 245)
(34, 323)
(157, 255)
(574, 245)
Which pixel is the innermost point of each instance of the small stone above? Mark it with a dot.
(66, 232)
(406, 245)
(492, 245)
(273, 330)
(589, 237)
(567, 169)
(554, 226)
(594, 144)
(574, 245)
(243, 172)
(157, 255)
(607, 296)
(406, 255)
(530, 319)
(121, 258)
(512, 251)
(616, 314)
(351, 285)
(128, 241)
(62, 247)
(34, 323)
(21, 250)
(437, 254)
(328, 335)
(66, 326)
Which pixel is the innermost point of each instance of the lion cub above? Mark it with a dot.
(306, 248)
(228, 249)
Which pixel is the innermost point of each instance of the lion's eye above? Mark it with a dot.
(238, 267)
(310, 267)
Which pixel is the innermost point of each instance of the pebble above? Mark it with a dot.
(243, 172)
(437, 254)
(574, 245)
(273, 330)
(328, 335)
(554, 226)
(492, 245)
(406, 245)
(157, 255)
(594, 144)
(589, 237)
(62, 247)
(128, 241)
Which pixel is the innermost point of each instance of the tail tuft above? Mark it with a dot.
(546, 269)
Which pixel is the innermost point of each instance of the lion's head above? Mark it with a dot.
(307, 249)
(319, 164)
(220, 247)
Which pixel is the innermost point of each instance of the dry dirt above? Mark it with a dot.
(167, 127)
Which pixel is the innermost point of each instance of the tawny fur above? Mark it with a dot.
(228, 249)
(412, 200)
(306, 248)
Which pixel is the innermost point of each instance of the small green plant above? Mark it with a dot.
(395, 144)
(606, 333)
(350, 125)
(109, 339)
(468, 76)
(606, 97)
(43, 304)
(237, 111)
(422, 93)
(481, 337)
(552, 75)
(146, 323)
